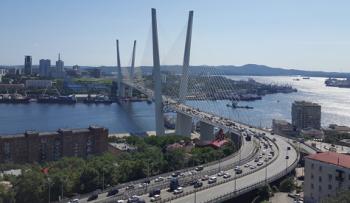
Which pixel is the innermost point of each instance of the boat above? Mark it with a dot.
(235, 105)
(296, 79)
(14, 99)
(306, 78)
(57, 99)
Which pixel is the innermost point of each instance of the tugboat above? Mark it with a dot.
(14, 99)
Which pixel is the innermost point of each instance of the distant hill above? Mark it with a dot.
(248, 69)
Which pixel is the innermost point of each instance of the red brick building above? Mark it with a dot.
(49, 146)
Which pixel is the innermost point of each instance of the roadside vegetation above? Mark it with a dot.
(76, 175)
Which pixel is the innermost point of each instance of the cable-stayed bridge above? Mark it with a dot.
(284, 160)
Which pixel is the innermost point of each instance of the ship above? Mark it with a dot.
(333, 82)
(235, 105)
(57, 99)
(14, 99)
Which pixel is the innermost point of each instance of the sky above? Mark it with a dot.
(310, 35)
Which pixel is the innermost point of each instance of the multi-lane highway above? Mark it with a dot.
(247, 152)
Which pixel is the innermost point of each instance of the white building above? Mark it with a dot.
(325, 174)
(38, 83)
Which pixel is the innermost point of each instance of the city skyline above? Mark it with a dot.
(288, 35)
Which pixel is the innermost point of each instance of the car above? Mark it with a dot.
(221, 173)
(266, 159)
(130, 187)
(182, 174)
(159, 179)
(288, 148)
(246, 166)
(112, 192)
(256, 159)
(260, 156)
(178, 190)
(239, 171)
(148, 181)
(74, 201)
(237, 168)
(198, 184)
(133, 199)
(154, 192)
(204, 178)
(92, 197)
(199, 168)
(155, 198)
(260, 163)
(252, 167)
(212, 180)
(120, 201)
(227, 176)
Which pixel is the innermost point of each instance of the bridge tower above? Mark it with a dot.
(121, 88)
(184, 122)
(159, 114)
(132, 69)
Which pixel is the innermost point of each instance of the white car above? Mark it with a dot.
(252, 167)
(221, 173)
(74, 201)
(260, 163)
(247, 165)
(120, 201)
(178, 190)
(212, 180)
(227, 175)
(155, 198)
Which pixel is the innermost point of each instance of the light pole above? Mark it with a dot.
(49, 183)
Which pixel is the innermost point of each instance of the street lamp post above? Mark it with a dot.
(49, 183)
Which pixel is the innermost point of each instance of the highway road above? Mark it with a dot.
(247, 152)
(277, 166)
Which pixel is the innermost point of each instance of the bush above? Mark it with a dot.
(287, 185)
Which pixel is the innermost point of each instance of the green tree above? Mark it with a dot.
(287, 185)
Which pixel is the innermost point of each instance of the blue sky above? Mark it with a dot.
(312, 35)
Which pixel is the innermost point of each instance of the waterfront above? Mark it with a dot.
(139, 116)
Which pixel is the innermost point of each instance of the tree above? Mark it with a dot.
(7, 195)
(342, 196)
(31, 186)
(287, 185)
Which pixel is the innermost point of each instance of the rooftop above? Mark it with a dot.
(305, 103)
(334, 158)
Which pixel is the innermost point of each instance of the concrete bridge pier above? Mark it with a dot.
(183, 125)
(206, 131)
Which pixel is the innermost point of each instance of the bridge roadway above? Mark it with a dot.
(280, 164)
(247, 152)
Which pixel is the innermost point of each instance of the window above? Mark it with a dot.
(330, 177)
(312, 176)
(320, 178)
(329, 187)
(320, 168)
(312, 186)
(319, 188)
(312, 166)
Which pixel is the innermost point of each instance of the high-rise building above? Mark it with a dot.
(58, 71)
(27, 65)
(59, 64)
(306, 115)
(44, 67)
(325, 174)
